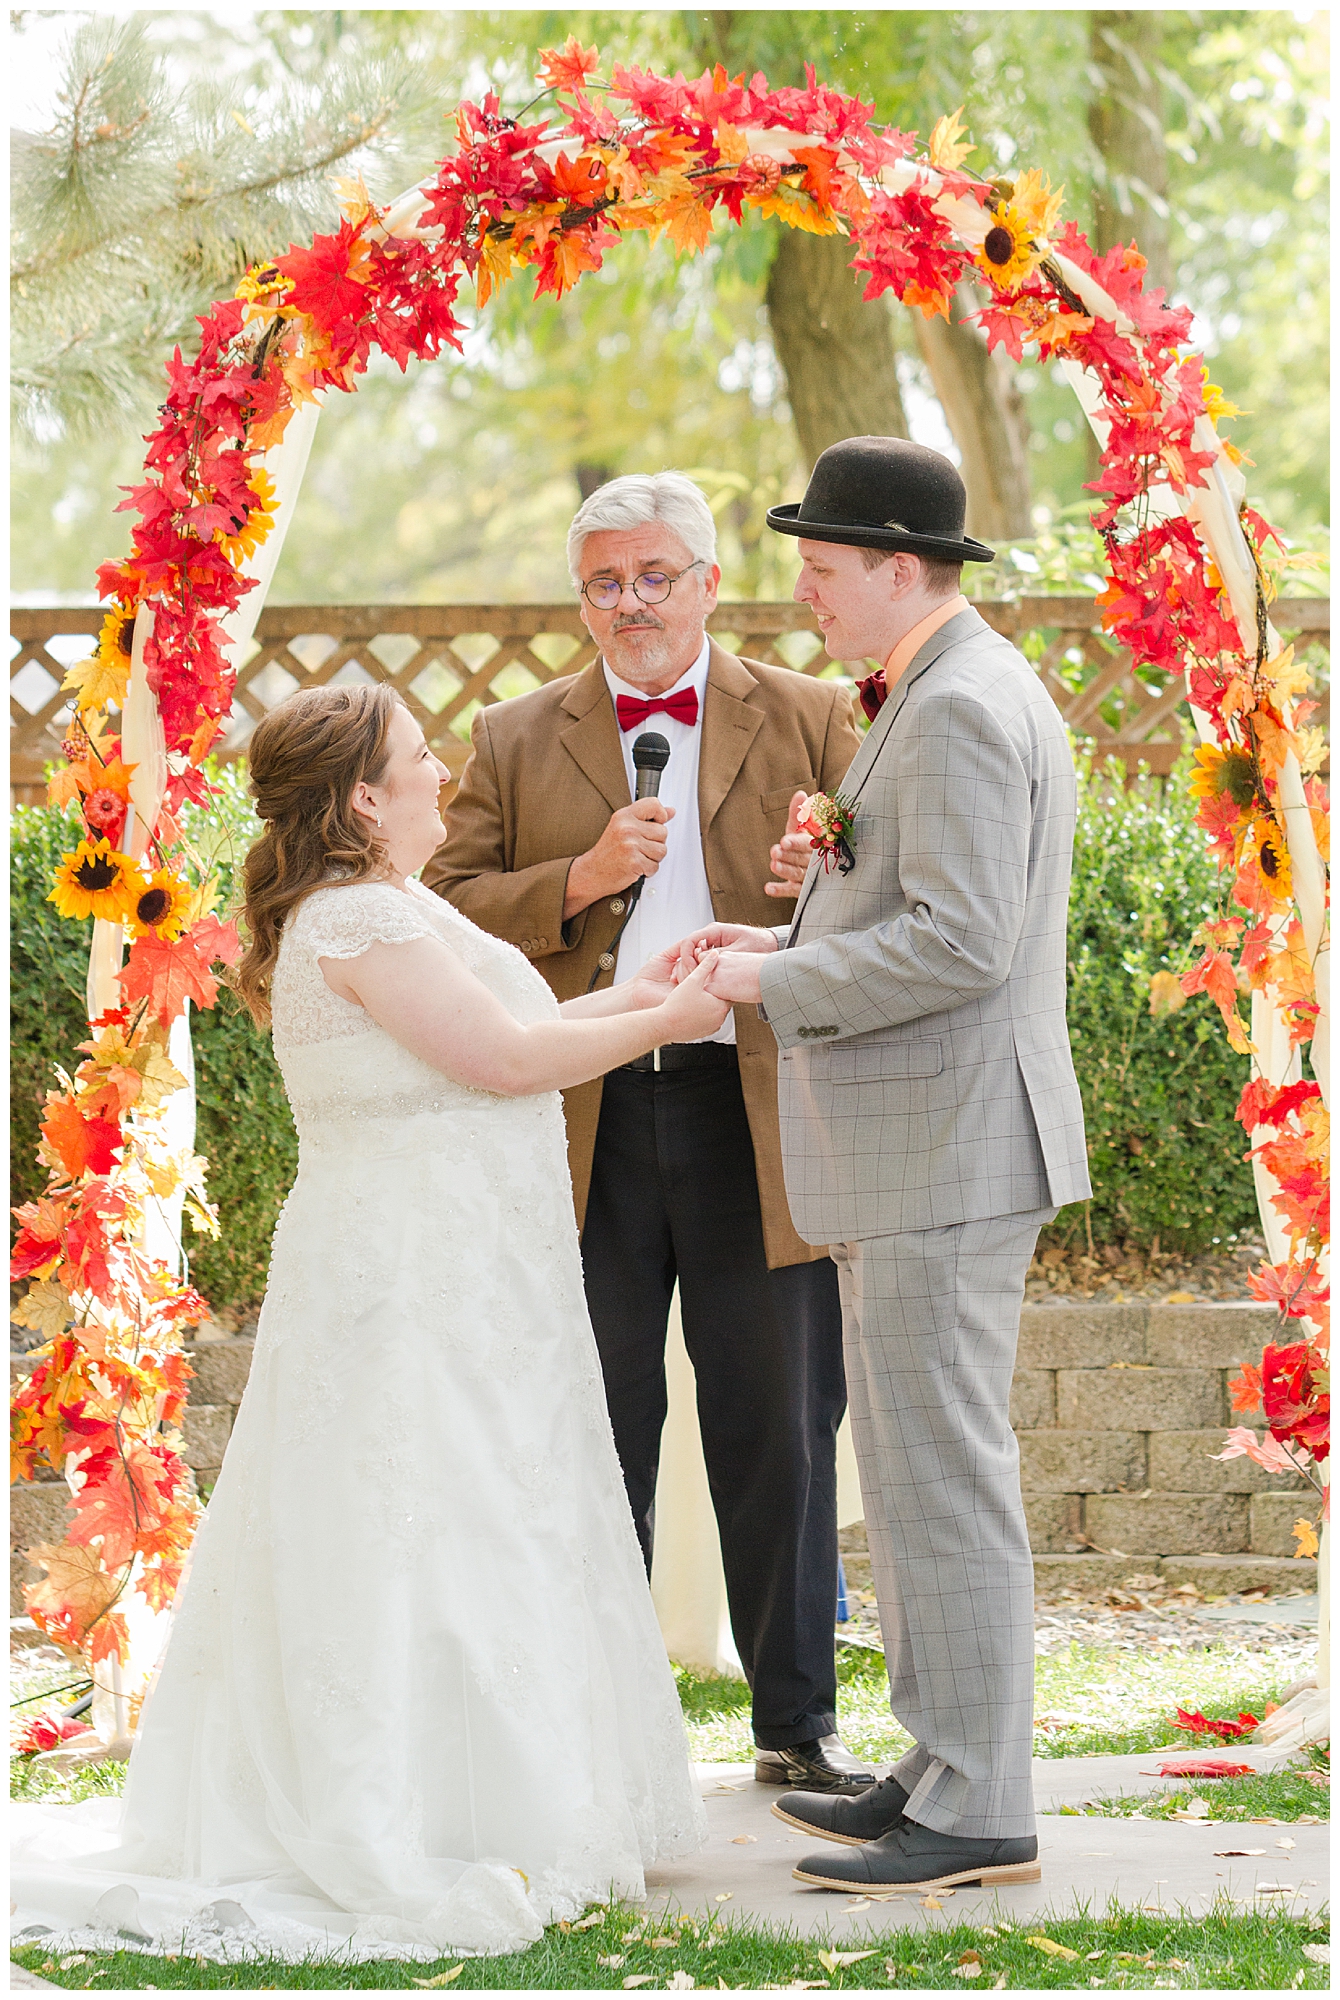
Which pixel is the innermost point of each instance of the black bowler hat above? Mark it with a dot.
(884, 493)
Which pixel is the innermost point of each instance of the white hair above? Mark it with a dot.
(638, 498)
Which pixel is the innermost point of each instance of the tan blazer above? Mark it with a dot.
(545, 773)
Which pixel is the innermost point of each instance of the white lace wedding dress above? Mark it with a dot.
(415, 1698)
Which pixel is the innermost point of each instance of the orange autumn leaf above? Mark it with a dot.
(820, 163)
(124, 1506)
(568, 68)
(75, 1593)
(165, 976)
(82, 1145)
(943, 148)
(689, 224)
(1305, 1535)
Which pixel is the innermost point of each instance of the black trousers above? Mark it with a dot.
(674, 1195)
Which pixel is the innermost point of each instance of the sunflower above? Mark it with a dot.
(161, 905)
(1265, 877)
(96, 881)
(1007, 255)
(1221, 773)
(255, 524)
(117, 637)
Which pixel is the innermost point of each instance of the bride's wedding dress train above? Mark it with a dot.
(415, 1698)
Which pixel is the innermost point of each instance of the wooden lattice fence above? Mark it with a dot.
(448, 659)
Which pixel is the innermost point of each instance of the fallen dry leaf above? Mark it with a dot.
(681, 1982)
(726, 1896)
(931, 1903)
(831, 1960)
(613, 1960)
(590, 1923)
(744, 1840)
(1286, 1842)
(443, 1978)
(638, 1979)
(1050, 1946)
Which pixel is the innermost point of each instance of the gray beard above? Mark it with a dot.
(645, 659)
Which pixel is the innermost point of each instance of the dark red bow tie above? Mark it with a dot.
(633, 710)
(873, 693)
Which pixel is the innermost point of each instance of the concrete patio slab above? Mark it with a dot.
(1163, 1866)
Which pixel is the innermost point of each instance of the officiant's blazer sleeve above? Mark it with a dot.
(476, 869)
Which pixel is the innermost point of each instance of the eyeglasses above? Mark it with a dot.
(653, 587)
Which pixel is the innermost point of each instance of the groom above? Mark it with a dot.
(931, 1124)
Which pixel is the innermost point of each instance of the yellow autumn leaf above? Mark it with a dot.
(1051, 1947)
(1035, 201)
(731, 144)
(159, 1076)
(1306, 1537)
(1165, 995)
(689, 225)
(944, 150)
(1217, 404)
(443, 1978)
(352, 194)
(44, 1307)
(831, 1960)
(497, 260)
(797, 210)
(1287, 674)
(98, 683)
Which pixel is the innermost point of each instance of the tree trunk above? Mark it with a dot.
(1126, 124)
(836, 349)
(985, 411)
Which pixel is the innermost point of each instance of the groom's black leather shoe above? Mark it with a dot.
(916, 1857)
(850, 1819)
(825, 1765)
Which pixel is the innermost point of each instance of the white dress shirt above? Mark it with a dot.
(676, 899)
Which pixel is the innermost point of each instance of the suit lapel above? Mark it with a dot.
(950, 633)
(591, 739)
(729, 726)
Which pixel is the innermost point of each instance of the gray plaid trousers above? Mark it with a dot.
(931, 1324)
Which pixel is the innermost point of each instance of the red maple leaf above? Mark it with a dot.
(322, 285)
(1245, 1389)
(165, 976)
(568, 68)
(216, 943)
(82, 1145)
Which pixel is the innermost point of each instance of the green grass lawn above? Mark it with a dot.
(1122, 1951)
(1089, 1702)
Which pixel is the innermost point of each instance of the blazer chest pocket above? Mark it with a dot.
(886, 1060)
(778, 801)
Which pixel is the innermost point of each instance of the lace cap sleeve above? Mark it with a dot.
(345, 922)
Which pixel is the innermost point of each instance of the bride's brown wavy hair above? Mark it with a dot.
(306, 758)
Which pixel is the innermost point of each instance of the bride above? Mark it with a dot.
(415, 1698)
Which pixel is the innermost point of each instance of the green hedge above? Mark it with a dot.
(1165, 1154)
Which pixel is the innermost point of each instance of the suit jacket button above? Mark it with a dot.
(541, 944)
(606, 961)
(617, 906)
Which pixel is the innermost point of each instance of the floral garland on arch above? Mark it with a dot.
(638, 153)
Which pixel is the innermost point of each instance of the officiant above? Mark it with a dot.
(676, 1157)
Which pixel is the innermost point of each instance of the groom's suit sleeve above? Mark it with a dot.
(953, 788)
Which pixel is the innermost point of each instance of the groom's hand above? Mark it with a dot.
(722, 937)
(791, 855)
(734, 977)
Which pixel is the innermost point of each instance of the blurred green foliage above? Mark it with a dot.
(1165, 1153)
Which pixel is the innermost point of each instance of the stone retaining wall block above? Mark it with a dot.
(1139, 1399)
(206, 1428)
(1185, 1462)
(1219, 1576)
(1053, 1521)
(1081, 1461)
(1033, 1399)
(1218, 1336)
(1168, 1523)
(1272, 1519)
(220, 1370)
(1079, 1336)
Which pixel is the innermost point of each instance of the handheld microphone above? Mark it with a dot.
(651, 754)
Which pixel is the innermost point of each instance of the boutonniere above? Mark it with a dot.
(828, 822)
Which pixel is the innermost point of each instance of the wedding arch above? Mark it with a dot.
(1188, 589)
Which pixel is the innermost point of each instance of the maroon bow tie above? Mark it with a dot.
(633, 710)
(873, 693)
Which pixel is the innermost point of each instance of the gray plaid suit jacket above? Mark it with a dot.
(919, 1001)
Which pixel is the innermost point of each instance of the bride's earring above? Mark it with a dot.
(376, 822)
